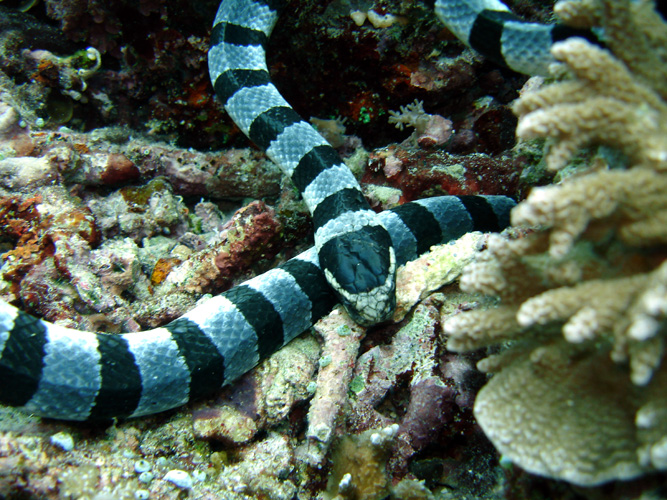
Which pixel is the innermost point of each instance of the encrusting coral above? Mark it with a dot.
(580, 383)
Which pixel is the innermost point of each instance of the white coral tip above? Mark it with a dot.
(582, 326)
(643, 328)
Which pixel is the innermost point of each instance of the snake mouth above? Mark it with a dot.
(368, 308)
(371, 310)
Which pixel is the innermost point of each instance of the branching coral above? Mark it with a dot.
(633, 31)
(430, 130)
(616, 100)
(580, 381)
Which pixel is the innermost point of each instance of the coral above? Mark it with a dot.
(341, 338)
(152, 241)
(25, 173)
(444, 262)
(581, 415)
(263, 398)
(420, 173)
(412, 115)
(379, 20)
(616, 100)
(359, 465)
(581, 281)
(633, 31)
(332, 130)
(261, 471)
(68, 73)
(223, 424)
(430, 130)
(141, 211)
(409, 489)
(116, 155)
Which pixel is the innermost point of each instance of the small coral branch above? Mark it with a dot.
(430, 130)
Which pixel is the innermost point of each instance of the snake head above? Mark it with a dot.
(360, 266)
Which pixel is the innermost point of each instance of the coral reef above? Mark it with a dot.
(579, 385)
(82, 255)
(419, 173)
(156, 222)
(604, 104)
(263, 398)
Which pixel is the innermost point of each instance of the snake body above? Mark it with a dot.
(491, 29)
(354, 249)
(62, 373)
(67, 374)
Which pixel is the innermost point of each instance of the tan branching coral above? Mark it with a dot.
(633, 31)
(632, 202)
(616, 100)
(579, 335)
(604, 105)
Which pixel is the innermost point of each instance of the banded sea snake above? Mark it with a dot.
(62, 373)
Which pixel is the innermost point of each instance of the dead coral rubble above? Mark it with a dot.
(579, 386)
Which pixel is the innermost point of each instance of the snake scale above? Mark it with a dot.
(56, 372)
